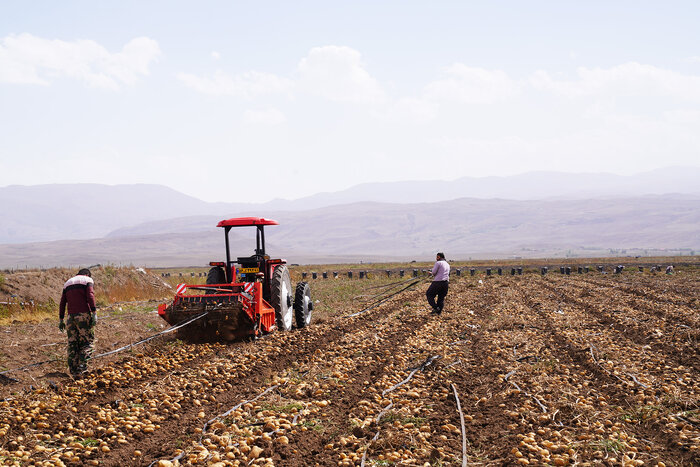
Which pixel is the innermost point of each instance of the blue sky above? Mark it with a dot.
(320, 96)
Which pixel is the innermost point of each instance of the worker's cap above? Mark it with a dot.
(84, 272)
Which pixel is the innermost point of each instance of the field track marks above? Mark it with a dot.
(505, 424)
(164, 375)
(572, 320)
(656, 288)
(420, 424)
(670, 311)
(576, 400)
(314, 361)
(286, 350)
(344, 375)
(680, 351)
(621, 392)
(120, 375)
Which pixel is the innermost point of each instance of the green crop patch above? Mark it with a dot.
(608, 445)
(286, 408)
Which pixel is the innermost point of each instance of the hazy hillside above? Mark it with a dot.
(55, 212)
(472, 226)
(371, 231)
(58, 212)
(528, 186)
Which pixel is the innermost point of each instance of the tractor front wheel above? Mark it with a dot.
(303, 305)
(281, 297)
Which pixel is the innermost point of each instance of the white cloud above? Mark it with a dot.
(337, 73)
(472, 85)
(27, 59)
(629, 79)
(264, 117)
(458, 83)
(215, 55)
(246, 85)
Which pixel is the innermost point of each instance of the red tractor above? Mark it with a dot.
(251, 299)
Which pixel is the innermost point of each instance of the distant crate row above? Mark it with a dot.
(472, 271)
(489, 271)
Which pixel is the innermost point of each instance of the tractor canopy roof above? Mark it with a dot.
(246, 221)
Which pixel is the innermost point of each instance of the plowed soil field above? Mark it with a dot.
(555, 370)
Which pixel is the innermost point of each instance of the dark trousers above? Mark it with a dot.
(438, 288)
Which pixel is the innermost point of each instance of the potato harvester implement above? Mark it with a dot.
(250, 296)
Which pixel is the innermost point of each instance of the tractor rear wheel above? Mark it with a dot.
(216, 275)
(281, 297)
(303, 305)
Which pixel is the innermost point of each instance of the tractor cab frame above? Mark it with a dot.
(253, 299)
(251, 267)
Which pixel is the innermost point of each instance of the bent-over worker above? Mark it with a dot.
(441, 279)
(79, 296)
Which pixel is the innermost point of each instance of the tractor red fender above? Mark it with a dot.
(273, 264)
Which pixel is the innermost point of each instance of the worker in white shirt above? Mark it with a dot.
(439, 286)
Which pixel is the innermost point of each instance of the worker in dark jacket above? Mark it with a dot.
(439, 286)
(79, 295)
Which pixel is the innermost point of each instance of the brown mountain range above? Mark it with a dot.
(463, 228)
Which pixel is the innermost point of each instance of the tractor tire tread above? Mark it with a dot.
(299, 312)
(280, 275)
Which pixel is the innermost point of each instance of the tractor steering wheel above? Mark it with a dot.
(258, 257)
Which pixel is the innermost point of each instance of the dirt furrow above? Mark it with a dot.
(621, 392)
(628, 297)
(545, 376)
(316, 352)
(119, 385)
(675, 290)
(681, 352)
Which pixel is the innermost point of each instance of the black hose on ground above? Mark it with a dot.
(120, 349)
(385, 298)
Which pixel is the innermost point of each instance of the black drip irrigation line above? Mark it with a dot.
(428, 361)
(388, 287)
(143, 341)
(229, 412)
(461, 420)
(533, 397)
(378, 296)
(680, 416)
(120, 349)
(232, 409)
(223, 415)
(384, 299)
(191, 320)
(391, 284)
(2, 373)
